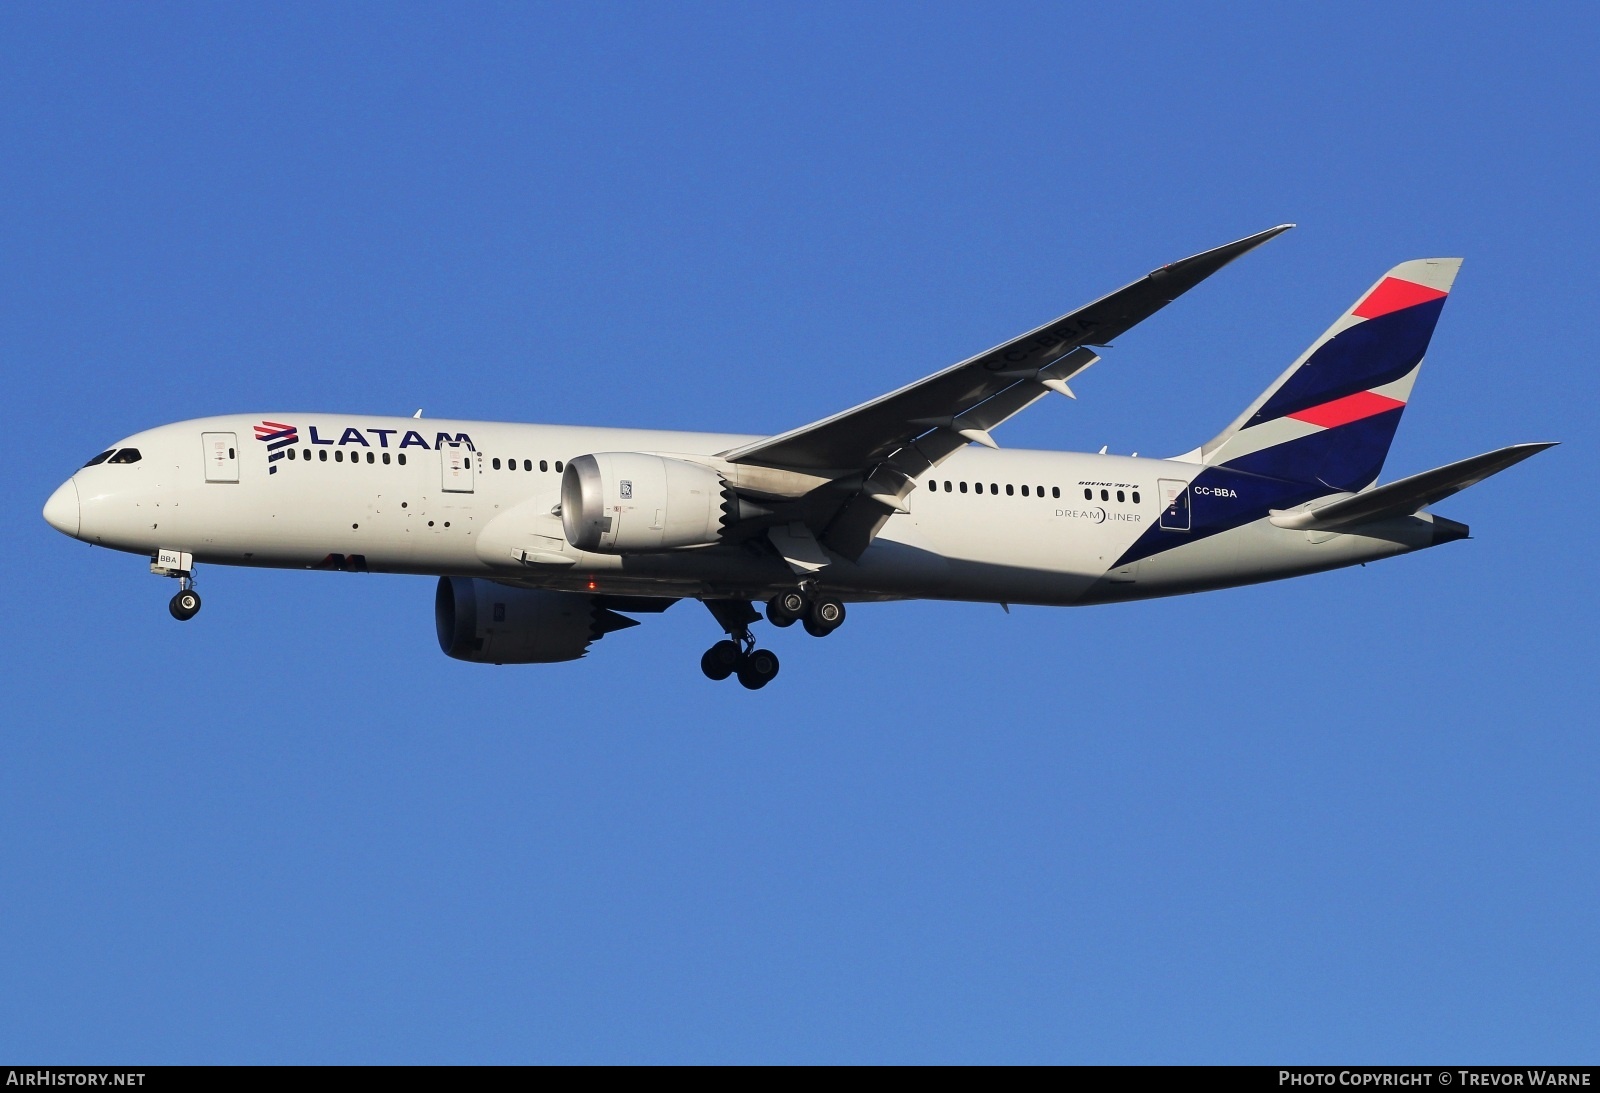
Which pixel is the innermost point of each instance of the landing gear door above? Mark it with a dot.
(1174, 504)
(222, 456)
(455, 464)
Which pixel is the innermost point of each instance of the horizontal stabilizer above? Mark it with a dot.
(1408, 495)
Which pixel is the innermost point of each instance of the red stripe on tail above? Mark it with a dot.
(1393, 294)
(1342, 411)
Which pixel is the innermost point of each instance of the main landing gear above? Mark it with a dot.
(755, 668)
(820, 615)
(738, 655)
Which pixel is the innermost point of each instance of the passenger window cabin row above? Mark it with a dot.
(994, 488)
(373, 457)
(338, 456)
(1105, 495)
(527, 465)
(1012, 490)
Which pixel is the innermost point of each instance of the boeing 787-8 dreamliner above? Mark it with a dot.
(547, 537)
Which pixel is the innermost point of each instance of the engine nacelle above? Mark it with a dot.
(624, 502)
(490, 623)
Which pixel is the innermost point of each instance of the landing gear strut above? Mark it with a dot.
(738, 656)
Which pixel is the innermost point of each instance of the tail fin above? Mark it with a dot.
(1331, 417)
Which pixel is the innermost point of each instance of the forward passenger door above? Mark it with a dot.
(455, 468)
(221, 456)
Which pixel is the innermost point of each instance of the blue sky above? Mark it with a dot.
(1345, 818)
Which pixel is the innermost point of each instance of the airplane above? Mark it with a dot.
(546, 538)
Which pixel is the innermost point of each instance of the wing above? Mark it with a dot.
(954, 400)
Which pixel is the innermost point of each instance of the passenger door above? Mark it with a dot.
(455, 467)
(222, 456)
(1174, 504)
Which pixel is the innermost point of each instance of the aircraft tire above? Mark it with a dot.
(758, 669)
(721, 660)
(787, 608)
(826, 612)
(185, 605)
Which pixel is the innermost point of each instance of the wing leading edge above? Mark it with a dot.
(871, 454)
(858, 438)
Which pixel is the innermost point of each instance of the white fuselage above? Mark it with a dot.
(383, 495)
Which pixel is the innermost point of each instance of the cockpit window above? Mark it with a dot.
(101, 458)
(126, 455)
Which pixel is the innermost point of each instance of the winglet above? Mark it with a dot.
(1203, 265)
(1127, 307)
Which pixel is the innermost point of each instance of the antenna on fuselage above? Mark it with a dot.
(418, 413)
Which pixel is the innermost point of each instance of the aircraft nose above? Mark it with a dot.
(62, 511)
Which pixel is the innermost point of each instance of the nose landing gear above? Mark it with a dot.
(180, 564)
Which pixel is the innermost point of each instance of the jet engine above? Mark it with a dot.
(626, 502)
(490, 623)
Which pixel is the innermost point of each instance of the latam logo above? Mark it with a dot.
(277, 436)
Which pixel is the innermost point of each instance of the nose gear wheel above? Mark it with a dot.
(185, 605)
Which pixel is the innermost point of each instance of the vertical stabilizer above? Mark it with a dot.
(1331, 417)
